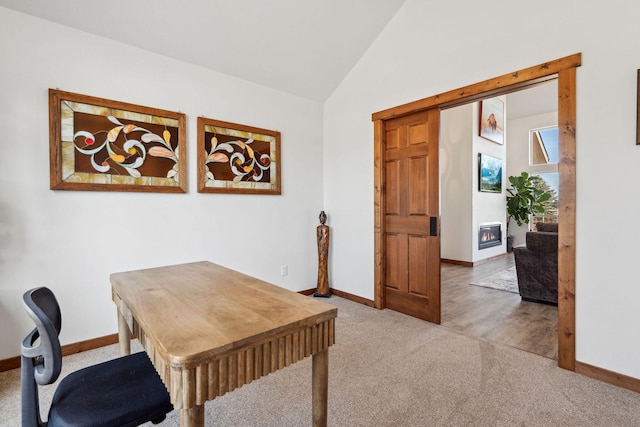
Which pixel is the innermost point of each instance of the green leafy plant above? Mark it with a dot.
(524, 198)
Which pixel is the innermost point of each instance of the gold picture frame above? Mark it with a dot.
(235, 158)
(96, 144)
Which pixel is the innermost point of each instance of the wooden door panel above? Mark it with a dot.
(412, 279)
(413, 305)
(418, 265)
(418, 182)
(393, 191)
(417, 134)
(391, 139)
(397, 263)
(412, 225)
(392, 244)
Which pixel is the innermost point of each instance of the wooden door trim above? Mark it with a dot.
(506, 83)
(563, 69)
(567, 219)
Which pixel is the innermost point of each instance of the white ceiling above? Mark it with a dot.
(303, 47)
(536, 100)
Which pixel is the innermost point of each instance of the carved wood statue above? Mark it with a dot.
(322, 234)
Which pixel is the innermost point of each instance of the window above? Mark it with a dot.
(543, 144)
(549, 182)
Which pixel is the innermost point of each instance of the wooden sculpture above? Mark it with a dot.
(322, 234)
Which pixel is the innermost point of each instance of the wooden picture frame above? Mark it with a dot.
(235, 158)
(97, 144)
(491, 123)
(489, 173)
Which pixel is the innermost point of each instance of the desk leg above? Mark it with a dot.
(193, 417)
(320, 386)
(124, 335)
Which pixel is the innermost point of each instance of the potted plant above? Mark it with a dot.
(524, 198)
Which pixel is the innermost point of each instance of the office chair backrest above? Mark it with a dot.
(42, 363)
(43, 308)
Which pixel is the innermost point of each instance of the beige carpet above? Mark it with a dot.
(388, 369)
(505, 280)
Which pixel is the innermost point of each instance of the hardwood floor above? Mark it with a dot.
(495, 315)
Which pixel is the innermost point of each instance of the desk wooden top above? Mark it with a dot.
(196, 312)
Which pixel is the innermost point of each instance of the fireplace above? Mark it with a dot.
(489, 235)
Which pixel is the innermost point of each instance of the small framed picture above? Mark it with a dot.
(492, 120)
(489, 174)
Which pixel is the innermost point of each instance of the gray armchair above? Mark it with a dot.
(537, 265)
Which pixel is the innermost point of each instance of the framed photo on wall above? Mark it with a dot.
(489, 173)
(492, 120)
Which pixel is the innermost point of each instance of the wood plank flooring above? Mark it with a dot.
(495, 315)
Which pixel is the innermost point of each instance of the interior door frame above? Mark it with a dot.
(562, 69)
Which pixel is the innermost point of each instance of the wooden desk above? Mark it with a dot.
(209, 330)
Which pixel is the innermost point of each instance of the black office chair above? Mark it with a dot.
(126, 391)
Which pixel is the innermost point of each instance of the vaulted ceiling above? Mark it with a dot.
(303, 47)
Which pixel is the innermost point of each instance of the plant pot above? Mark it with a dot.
(510, 243)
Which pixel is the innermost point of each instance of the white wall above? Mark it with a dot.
(71, 241)
(429, 48)
(488, 207)
(518, 157)
(462, 206)
(457, 168)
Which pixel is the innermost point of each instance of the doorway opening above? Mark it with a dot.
(479, 286)
(564, 70)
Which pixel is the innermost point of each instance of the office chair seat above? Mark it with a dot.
(122, 392)
(126, 392)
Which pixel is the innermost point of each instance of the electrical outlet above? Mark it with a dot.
(284, 270)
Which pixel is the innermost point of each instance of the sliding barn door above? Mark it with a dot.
(412, 241)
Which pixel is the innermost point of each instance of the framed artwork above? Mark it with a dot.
(489, 173)
(492, 120)
(235, 158)
(102, 145)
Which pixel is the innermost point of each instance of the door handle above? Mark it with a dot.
(433, 226)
